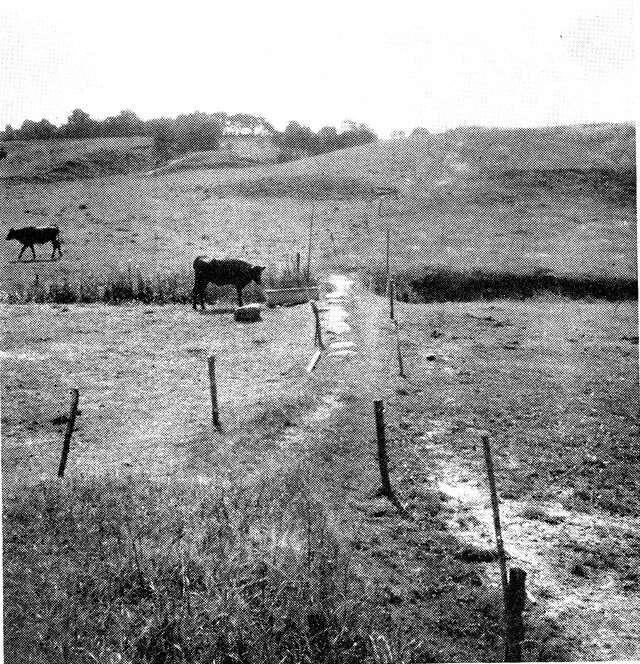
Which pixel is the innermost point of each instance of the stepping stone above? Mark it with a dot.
(340, 353)
(341, 344)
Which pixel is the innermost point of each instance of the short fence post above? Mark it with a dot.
(298, 262)
(75, 396)
(400, 364)
(515, 607)
(215, 416)
(383, 461)
(392, 288)
(333, 242)
(317, 340)
(313, 361)
(513, 588)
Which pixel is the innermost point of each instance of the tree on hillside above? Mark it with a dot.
(79, 125)
(126, 123)
(245, 123)
(197, 131)
(355, 133)
(328, 137)
(297, 140)
(9, 133)
(165, 137)
(31, 130)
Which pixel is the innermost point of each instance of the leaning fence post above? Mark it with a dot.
(214, 391)
(318, 334)
(75, 396)
(513, 589)
(383, 461)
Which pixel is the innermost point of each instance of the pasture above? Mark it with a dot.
(271, 533)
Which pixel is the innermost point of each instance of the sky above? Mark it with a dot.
(393, 65)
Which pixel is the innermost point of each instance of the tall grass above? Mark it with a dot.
(132, 285)
(130, 570)
(445, 285)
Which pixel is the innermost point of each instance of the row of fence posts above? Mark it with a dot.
(513, 585)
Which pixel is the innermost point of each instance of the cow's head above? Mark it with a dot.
(11, 234)
(256, 273)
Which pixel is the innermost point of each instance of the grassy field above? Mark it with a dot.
(172, 542)
(458, 211)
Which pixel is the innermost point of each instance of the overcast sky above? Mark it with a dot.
(393, 65)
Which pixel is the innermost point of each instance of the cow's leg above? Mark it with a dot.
(202, 289)
(24, 246)
(33, 251)
(56, 247)
(239, 288)
(197, 292)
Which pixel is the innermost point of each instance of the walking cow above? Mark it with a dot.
(222, 272)
(30, 235)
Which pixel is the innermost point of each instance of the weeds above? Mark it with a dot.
(131, 570)
(445, 285)
(132, 285)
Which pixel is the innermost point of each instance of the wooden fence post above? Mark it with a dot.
(317, 340)
(392, 288)
(215, 416)
(388, 257)
(400, 364)
(514, 588)
(313, 208)
(515, 607)
(314, 360)
(298, 263)
(383, 461)
(333, 242)
(75, 396)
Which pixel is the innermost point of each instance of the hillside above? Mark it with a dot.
(69, 159)
(466, 161)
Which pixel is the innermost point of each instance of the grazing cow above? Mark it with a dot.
(30, 235)
(223, 272)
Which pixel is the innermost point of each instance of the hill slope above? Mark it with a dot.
(69, 159)
(600, 158)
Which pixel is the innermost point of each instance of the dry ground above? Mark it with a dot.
(142, 375)
(554, 382)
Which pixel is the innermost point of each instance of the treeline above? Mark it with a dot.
(193, 131)
(196, 131)
(297, 140)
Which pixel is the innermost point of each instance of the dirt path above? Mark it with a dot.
(574, 610)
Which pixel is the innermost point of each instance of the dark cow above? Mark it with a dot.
(223, 272)
(30, 235)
